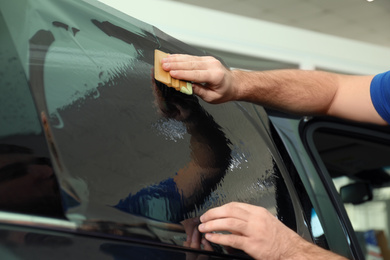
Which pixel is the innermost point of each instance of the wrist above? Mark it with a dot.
(237, 77)
(303, 249)
(246, 85)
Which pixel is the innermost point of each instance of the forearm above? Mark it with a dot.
(209, 145)
(210, 158)
(303, 250)
(308, 93)
(294, 91)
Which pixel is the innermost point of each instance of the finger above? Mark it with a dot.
(198, 76)
(195, 239)
(200, 91)
(185, 57)
(206, 245)
(207, 94)
(232, 225)
(184, 62)
(189, 237)
(231, 240)
(230, 210)
(189, 65)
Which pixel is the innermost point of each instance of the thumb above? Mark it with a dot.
(205, 93)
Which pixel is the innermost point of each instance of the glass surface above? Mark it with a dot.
(132, 156)
(355, 157)
(27, 181)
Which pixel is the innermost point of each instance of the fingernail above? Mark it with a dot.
(201, 227)
(208, 236)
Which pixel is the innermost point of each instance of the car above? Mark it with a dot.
(344, 166)
(98, 160)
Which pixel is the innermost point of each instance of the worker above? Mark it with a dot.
(360, 98)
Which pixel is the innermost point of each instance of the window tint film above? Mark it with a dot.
(27, 180)
(134, 156)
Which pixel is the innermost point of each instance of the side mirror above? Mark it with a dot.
(356, 193)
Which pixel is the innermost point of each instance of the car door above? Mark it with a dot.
(120, 161)
(355, 157)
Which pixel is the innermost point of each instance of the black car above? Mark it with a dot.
(100, 161)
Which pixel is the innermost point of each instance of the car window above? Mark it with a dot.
(134, 157)
(357, 160)
(27, 181)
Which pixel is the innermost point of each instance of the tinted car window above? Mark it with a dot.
(128, 150)
(27, 181)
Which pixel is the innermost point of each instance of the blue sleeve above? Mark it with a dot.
(380, 94)
(161, 202)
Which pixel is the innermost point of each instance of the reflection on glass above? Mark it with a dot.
(315, 223)
(172, 199)
(27, 183)
(15, 239)
(118, 141)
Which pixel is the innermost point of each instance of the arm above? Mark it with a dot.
(294, 91)
(257, 232)
(209, 161)
(210, 151)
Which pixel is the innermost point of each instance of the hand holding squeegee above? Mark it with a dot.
(165, 78)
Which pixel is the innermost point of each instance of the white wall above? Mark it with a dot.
(217, 30)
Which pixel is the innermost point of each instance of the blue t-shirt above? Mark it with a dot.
(380, 95)
(161, 202)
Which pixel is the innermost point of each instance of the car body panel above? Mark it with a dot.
(30, 243)
(325, 198)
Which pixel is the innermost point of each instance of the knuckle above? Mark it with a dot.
(193, 65)
(219, 74)
(233, 241)
(262, 210)
(215, 61)
(207, 226)
(239, 226)
(230, 222)
(231, 208)
(208, 58)
(232, 205)
(197, 74)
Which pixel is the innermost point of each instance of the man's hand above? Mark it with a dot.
(253, 230)
(194, 237)
(213, 82)
(257, 232)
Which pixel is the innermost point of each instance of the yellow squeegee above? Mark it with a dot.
(164, 77)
